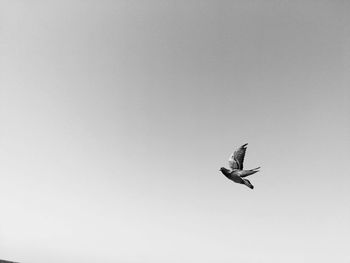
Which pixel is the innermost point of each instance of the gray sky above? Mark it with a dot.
(117, 115)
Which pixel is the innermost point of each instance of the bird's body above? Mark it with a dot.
(236, 173)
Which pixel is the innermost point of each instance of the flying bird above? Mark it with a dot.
(236, 173)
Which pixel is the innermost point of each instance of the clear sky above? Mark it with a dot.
(115, 117)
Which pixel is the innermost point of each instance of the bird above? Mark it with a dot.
(236, 172)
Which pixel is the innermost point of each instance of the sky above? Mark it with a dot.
(116, 117)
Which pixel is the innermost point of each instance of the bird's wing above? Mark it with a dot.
(237, 158)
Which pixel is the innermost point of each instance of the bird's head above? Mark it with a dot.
(224, 170)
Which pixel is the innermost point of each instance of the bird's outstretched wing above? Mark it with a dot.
(237, 158)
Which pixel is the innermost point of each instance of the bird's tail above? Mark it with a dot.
(247, 183)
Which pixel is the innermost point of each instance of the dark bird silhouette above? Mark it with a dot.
(236, 173)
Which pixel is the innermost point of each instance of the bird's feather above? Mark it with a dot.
(237, 158)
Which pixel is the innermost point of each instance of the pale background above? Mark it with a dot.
(115, 117)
